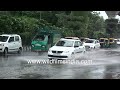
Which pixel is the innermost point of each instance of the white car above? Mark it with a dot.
(118, 41)
(92, 44)
(66, 48)
(10, 43)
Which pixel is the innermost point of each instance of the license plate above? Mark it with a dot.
(57, 54)
(54, 58)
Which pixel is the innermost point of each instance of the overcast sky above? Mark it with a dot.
(102, 13)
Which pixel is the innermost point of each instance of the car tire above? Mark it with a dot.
(5, 51)
(73, 56)
(84, 52)
(49, 59)
(20, 50)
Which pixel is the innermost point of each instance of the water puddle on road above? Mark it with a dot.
(101, 56)
(105, 64)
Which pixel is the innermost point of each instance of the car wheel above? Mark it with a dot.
(73, 56)
(5, 51)
(84, 52)
(19, 51)
(49, 59)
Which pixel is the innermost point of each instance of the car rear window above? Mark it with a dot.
(89, 41)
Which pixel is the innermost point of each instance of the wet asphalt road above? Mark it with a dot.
(105, 65)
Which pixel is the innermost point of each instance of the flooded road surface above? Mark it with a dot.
(105, 65)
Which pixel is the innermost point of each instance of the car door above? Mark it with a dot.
(97, 44)
(81, 47)
(78, 47)
(11, 44)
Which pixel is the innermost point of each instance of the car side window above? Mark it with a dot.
(16, 38)
(77, 44)
(80, 43)
(95, 42)
(11, 39)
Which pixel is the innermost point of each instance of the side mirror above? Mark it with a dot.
(9, 41)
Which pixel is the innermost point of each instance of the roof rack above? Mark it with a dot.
(76, 38)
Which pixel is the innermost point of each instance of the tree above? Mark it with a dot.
(112, 27)
(96, 25)
(69, 23)
(82, 23)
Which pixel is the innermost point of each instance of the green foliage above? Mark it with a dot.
(96, 25)
(82, 23)
(70, 23)
(112, 28)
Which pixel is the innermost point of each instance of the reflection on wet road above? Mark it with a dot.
(105, 65)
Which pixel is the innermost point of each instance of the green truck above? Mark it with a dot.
(44, 39)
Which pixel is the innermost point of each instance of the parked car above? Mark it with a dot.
(92, 44)
(66, 48)
(118, 41)
(10, 43)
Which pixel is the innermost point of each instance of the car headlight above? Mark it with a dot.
(50, 50)
(43, 46)
(32, 45)
(1, 44)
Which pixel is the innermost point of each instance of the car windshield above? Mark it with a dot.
(111, 40)
(101, 40)
(65, 43)
(3, 38)
(39, 38)
(89, 41)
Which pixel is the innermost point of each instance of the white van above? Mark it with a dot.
(10, 43)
